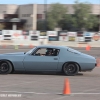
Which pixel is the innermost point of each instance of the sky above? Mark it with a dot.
(43, 1)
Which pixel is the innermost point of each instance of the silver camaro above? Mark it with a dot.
(47, 58)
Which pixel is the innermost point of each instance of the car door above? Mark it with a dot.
(40, 62)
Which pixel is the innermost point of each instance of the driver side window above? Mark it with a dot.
(46, 52)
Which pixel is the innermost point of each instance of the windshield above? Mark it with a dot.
(30, 51)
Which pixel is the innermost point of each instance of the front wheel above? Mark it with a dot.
(5, 67)
(70, 69)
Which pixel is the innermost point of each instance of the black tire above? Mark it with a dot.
(70, 69)
(5, 67)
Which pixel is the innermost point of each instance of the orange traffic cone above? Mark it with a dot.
(31, 46)
(4, 46)
(66, 90)
(88, 48)
(21, 45)
(98, 62)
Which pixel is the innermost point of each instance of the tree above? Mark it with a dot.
(55, 15)
(66, 22)
(2, 26)
(40, 25)
(83, 17)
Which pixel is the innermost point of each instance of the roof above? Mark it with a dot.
(52, 46)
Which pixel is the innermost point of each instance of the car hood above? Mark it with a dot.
(15, 53)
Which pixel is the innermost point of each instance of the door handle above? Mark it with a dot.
(55, 58)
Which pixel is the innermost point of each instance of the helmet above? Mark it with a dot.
(49, 51)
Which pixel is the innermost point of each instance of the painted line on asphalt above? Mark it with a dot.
(85, 93)
(50, 93)
(27, 92)
(89, 90)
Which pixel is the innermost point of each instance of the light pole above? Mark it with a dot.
(45, 15)
(99, 15)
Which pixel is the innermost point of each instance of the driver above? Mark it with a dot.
(49, 52)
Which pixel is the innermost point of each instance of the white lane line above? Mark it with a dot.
(50, 93)
(30, 92)
(85, 93)
(17, 92)
(27, 92)
(89, 90)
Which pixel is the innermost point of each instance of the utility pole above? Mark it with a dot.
(99, 15)
(45, 15)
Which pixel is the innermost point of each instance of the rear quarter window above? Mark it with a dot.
(73, 51)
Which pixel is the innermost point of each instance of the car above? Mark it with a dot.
(47, 58)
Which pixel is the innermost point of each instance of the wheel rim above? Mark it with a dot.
(4, 67)
(70, 69)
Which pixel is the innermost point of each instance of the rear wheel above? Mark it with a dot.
(70, 69)
(5, 67)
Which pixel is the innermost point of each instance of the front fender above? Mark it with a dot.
(17, 62)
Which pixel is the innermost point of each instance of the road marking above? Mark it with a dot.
(84, 93)
(49, 93)
(23, 92)
(89, 90)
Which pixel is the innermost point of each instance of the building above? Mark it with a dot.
(26, 16)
